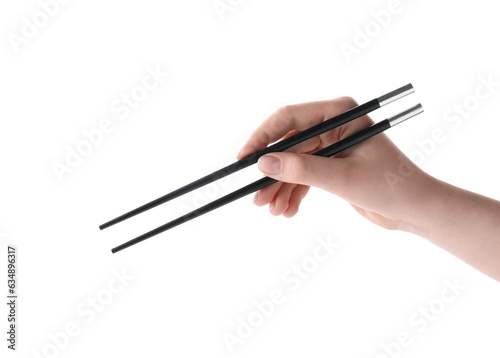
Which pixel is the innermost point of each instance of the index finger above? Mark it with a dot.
(297, 116)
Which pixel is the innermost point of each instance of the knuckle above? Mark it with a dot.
(284, 115)
(285, 111)
(348, 101)
(262, 138)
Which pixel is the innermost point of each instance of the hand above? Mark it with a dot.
(375, 177)
(378, 180)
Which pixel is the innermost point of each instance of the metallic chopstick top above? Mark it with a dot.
(396, 94)
(406, 114)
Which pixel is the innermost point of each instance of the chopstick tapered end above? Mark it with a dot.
(107, 224)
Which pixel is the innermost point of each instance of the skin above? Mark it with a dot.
(379, 182)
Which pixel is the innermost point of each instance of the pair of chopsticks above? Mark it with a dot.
(309, 133)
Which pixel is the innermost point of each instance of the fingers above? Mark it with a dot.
(266, 195)
(295, 199)
(280, 203)
(331, 174)
(346, 130)
(296, 172)
(284, 198)
(308, 146)
(298, 117)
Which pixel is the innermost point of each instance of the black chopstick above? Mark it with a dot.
(309, 133)
(262, 183)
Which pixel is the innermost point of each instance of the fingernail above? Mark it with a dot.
(256, 197)
(271, 206)
(269, 164)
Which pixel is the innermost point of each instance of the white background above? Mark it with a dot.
(226, 75)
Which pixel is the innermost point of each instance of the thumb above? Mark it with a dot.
(303, 169)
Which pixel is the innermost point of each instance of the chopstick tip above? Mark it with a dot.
(105, 225)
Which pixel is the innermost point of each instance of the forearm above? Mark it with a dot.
(461, 222)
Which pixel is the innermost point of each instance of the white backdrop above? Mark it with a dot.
(168, 91)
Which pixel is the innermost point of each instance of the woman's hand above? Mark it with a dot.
(375, 177)
(378, 180)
